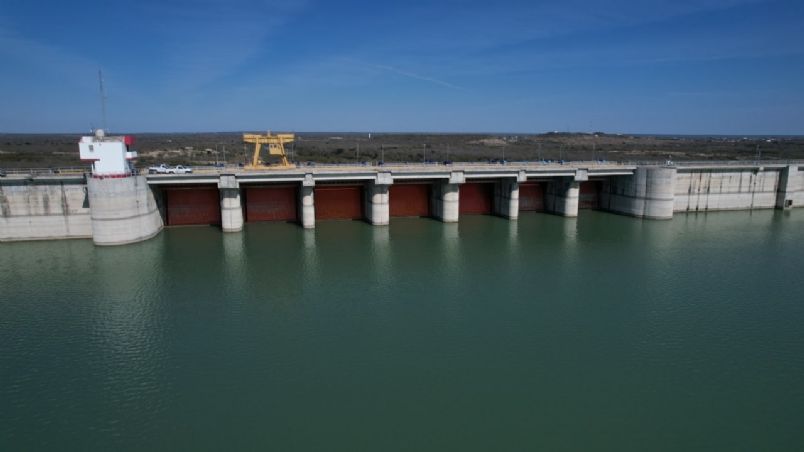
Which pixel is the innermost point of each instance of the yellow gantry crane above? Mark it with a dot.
(276, 146)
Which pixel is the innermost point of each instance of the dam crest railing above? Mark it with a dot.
(220, 169)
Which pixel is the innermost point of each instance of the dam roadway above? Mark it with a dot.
(125, 210)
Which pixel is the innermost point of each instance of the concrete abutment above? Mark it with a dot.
(123, 210)
(648, 193)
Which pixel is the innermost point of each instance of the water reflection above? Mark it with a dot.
(513, 235)
(381, 255)
(311, 267)
(569, 237)
(235, 263)
(451, 250)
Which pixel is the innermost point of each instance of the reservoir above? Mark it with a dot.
(600, 332)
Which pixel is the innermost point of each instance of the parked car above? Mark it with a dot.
(161, 169)
(179, 169)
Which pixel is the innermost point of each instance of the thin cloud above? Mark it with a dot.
(414, 75)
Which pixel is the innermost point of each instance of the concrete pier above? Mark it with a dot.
(231, 208)
(445, 198)
(506, 199)
(444, 202)
(561, 197)
(307, 203)
(649, 193)
(123, 210)
(376, 200)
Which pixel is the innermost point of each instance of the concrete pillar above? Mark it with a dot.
(660, 189)
(376, 200)
(445, 197)
(444, 202)
(231, 209)
(787, 187)
(376, 204)
(307, 202)
(122, 210)
(648, 193)
(561, 197)
(506, 199)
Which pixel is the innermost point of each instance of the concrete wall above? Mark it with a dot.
(649, 193)
(123, 210)
(699, 190)
(45, 209)
(791, 188)
(796, 186)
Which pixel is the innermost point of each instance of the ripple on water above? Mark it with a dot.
(682, 334)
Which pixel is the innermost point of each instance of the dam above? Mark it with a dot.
(122, 210)
(115, 204)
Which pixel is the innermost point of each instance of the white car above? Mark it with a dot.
(161, 169)
(179, 169)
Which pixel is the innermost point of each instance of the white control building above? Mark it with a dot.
(111, 156)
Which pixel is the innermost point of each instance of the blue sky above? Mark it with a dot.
(652, 66)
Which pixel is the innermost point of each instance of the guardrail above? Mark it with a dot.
(66, 171)
(715, 162)
(209, 169)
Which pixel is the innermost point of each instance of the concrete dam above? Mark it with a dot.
(121, 210)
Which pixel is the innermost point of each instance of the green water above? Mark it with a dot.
(601, 333)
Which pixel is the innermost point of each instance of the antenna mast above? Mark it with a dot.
(102, 99)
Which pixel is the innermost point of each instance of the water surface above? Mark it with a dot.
(601, 333)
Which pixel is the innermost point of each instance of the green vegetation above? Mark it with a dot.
(60, 150)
